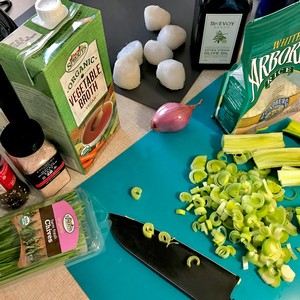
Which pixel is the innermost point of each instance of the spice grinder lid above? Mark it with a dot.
(21, 139)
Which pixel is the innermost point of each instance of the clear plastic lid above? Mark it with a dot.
(63, 230)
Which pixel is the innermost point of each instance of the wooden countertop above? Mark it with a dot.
(135, 123)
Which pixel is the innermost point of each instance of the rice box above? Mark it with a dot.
(58, 64)
(264, 88)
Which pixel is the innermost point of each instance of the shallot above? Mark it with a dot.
(172, 116)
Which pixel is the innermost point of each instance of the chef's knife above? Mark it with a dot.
(207, 281)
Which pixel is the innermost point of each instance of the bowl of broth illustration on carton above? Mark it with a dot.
(97, 123)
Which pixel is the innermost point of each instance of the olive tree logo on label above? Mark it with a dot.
(76, 57)
(69, 224)
(220, 37)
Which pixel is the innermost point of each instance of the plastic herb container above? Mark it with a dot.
(62, 230)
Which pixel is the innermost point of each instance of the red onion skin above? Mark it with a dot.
(172, 117)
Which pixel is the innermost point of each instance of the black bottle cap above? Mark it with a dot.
(22, 139)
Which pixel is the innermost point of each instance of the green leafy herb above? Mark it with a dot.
(11, 243)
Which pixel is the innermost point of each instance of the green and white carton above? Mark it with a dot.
(264, 87)
(62, 76)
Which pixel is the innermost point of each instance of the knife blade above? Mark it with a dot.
(206, 281)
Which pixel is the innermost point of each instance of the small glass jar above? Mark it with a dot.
(36, 158)
(13, 192)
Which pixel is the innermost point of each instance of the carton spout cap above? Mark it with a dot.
(49, 13)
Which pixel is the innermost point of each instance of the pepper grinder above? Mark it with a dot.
(13, 192)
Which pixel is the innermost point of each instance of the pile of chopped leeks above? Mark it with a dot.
(10, 241)
(238, 206)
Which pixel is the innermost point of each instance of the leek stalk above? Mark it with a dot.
(238, 144)
(293, 129)
(277, 158)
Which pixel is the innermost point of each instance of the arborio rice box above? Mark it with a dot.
(264, 87)
(63, 78)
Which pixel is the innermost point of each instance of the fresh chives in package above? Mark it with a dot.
(264, 88)
(62, 230)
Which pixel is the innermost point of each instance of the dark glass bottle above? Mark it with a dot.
(266, 7)
(218, 28)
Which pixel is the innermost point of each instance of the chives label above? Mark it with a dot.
(47, 232)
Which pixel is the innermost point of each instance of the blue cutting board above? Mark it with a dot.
(159, 163)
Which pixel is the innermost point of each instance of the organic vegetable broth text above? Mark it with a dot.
(264, 87)
(63, 78)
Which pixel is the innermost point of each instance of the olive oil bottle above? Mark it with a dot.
(218, 28)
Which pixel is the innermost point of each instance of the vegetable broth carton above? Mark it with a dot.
(58, 64)
(264, 88)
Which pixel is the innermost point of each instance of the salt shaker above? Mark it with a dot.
(35, 157)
